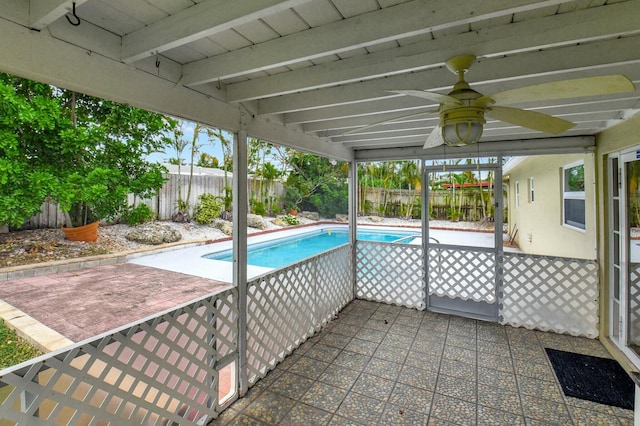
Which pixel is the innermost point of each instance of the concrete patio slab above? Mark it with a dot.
(85, 303)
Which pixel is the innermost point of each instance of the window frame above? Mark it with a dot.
(572, 195)
(517, 194)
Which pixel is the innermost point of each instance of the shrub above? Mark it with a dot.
(207, 209)
(138, 214)
(257, 207)
(290, 219)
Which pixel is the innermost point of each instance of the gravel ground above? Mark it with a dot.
(43, 245)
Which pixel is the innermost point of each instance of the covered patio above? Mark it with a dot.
(323, 76)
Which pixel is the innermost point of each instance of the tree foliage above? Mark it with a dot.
(317, 184)
(84, 152)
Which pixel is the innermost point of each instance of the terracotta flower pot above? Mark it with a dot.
(293, 212)
(87, 232)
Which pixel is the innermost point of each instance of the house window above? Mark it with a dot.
(532, 196)
(517, 194)
(573, 203)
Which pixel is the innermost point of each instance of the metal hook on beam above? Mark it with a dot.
(73, 12)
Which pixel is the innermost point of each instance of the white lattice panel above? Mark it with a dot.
(157, 371)
(335, 290)
(467, 274)
(550, 294)
(390, 273)
(287, 306)
(634, 303)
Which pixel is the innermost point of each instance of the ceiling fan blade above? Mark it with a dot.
(530, 119)
(579, 87)
(441, 98)
(379, 123)
(435, 138)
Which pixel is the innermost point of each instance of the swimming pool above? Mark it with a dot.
(285, 251)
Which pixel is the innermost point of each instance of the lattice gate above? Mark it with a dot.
(161, 370)
(462, 273)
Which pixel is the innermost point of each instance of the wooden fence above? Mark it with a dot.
(165, 204)
(468, 205)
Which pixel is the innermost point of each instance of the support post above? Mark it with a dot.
(240, 208)
(353, 220)
(424, 206)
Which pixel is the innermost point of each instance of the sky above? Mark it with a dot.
(203, 141)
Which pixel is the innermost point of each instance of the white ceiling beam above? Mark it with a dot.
(557, 145)
(44, 12)
(404, 104)
(196, 22)
(38, 56)
(597, 58)
(364, 113)
(402, 20)
(541, 33)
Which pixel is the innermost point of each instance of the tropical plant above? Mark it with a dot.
(316, 183)
(208, 161)
(83, 152)
(207, 209)
(137, 215)
(290, 219)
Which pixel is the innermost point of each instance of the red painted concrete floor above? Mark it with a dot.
(82, 304)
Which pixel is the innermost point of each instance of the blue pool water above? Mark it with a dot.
(285, 251)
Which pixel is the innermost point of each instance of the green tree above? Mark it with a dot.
(316, 183)
(208, 161)
(84, 152)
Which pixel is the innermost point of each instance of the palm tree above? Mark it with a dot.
(410, 174)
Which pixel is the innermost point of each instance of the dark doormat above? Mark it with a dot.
(592, 378)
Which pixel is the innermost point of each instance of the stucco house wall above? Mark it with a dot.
(539, 223)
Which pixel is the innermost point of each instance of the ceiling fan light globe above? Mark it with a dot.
(462, 126)
(461, 134)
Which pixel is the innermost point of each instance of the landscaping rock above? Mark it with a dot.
(223, 225)
(153, 234)
(255, 221)
(376, 219)
(310, 215)
(342, 218)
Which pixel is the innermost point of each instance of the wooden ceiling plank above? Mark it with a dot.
(502, 73)
(44, 12)
(202, 20)
(539, 33)
(403, 20)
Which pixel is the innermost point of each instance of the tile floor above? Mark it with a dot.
(382, 364)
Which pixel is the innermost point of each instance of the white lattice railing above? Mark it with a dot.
(286, 306)
(550, 294)
(466, 273)
(634, 303)
(390, 273)
(158, 371)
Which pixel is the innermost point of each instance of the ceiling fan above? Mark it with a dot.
(463, 110)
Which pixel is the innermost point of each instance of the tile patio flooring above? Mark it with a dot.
(382, 364)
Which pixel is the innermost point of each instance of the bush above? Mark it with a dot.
(257, 207)
(290, 219)
(138, 215)
(207, 209)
